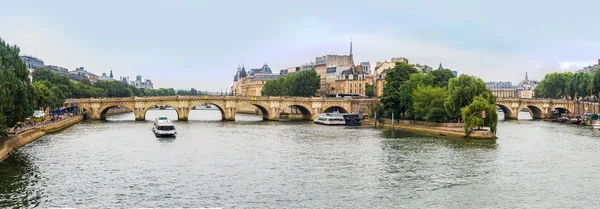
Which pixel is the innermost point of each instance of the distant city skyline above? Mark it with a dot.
(176, 46)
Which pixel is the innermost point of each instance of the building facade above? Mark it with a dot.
(591, 69)
(352, 81)
(140, 83)
(379, 73)
(32, 63)
(80, 71)
(502, 89)
(526, 88)
(250, 84)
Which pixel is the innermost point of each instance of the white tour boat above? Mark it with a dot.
(163, 127)
(330, 119)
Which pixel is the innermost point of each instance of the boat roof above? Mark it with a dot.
(163, 121)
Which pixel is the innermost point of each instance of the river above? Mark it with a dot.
(254, 164)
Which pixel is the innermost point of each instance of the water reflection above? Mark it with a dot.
(20, 182)
(266, 164)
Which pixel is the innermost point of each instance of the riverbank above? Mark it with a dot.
(442, 129)
(16, 141)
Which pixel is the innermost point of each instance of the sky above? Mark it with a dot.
(197, 43)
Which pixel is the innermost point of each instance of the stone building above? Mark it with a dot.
(379, 73)
(352, 81)
(250, 84)
(502, 89)
(82, 72)
(328, 61)
(526, 88)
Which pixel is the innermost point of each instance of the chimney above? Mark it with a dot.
(598, 61)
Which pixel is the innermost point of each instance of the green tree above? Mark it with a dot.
(394, 98)
(473, 117)
(441, 77)
(43, 95)
(273, 88)
(596, 83)
(425, 98)
(16, 91)
(303, 84)
(580, 85)
(555, 86)
(437, 114)
(462, 91)
(369, 90)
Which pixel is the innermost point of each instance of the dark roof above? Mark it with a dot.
(264, 69)
(243, 73)
(236, 76)
(439, 68)
(331, 70)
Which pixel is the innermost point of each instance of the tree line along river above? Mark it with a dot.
(256, 164)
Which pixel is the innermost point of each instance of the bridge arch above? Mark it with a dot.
(304, 110)
(219, 106)
(180, 116)
(104, 109)
(334, 108)
(508, 114)
(265, 112)
(536, 112)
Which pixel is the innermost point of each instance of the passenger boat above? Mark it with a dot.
(163, 127)
(330, 119)
(596, 124)
(350, 119)
(588, 118)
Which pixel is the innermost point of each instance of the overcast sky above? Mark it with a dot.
(183, 44)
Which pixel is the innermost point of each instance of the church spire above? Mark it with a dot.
(526, 77)
(350, 47)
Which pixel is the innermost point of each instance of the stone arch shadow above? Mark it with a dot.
(306, 113)
(105, 109)
(334, 108)
(506, 112)
(536, 112)
(265, 112)
(221, 110)
(153, 106)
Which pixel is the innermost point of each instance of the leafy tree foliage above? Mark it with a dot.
(554, 86)
(369, 90)
(426, 98)
(303, 84)
(395, 96)
(441, 77)
(580, 86)
(472, 114)
(462, 91)
(436, 114)
(16, 91)
(376, 107)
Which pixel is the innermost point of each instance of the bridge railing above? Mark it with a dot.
(202, 97)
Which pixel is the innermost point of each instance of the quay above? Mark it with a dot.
(25, 136)
(440, 129)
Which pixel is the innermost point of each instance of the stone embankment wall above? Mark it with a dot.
(444, 129)
(22, 138)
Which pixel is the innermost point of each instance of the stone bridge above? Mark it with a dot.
(271, 107)
(540, 108)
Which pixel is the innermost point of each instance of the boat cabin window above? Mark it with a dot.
(166, 128)
(162, 118)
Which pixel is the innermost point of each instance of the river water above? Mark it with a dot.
(254, 164)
